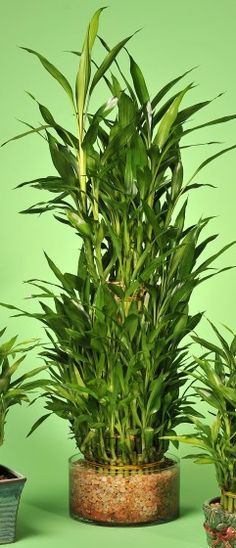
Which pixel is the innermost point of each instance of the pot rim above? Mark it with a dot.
(207, 505)
(16, 475)
(170, 456)
(211, 500)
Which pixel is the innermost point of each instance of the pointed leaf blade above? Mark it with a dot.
(55, 73)
(139, 82)
(108, 60)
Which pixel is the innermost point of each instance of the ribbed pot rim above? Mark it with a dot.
(16, 475)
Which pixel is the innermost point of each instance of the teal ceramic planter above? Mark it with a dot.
(11, 485)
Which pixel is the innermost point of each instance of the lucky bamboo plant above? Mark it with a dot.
(15, 390)
(116, 325)
(217, 377)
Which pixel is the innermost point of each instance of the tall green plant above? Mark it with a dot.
(116, 326)
(217, 378)
(13, 390)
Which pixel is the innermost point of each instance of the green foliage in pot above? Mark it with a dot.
(116, 326)
(15, 390)
(217, 377)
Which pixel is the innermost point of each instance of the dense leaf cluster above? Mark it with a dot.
(116, 326)
(15, 390)
(217, 378)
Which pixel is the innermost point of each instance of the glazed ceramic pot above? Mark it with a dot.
(11, 485)
(124, 495)
(220, 525)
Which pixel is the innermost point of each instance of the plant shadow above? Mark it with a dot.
(187, 510)
(25, 529)
(54, 504)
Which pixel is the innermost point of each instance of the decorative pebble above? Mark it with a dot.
(123, 499)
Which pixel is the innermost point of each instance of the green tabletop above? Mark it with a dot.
(44, 521)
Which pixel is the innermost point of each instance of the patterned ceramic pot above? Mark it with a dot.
(220, 526)
(11, 485)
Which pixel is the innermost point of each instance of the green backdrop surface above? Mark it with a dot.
(175, 36)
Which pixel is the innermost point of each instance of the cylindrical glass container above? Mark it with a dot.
(124, 495)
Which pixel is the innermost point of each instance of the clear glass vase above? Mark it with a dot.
(124, 495)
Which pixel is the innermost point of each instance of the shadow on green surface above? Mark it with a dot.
(188, 510)
(25, 525)
(54, 504)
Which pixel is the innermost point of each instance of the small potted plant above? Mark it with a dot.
(13, 390)
(217, 378)
(116, 325)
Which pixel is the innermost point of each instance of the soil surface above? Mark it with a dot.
(130, 497)
(5, 473)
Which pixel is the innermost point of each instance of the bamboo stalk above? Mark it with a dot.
(228, 501)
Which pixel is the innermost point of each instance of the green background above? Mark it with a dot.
(175, 36)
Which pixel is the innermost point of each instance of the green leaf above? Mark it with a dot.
(211, 259)
(119, 140)
(184, 114)
(154, 400)
(187, 256)
(51, 183)
(168, 86)
(14, 367)
(38, 423)
(127, 111)
(63, 159)
(57, 272)
(210, 159)
(168, 119)
(155, 263)
(18, 382)
(208, 397)
(179, 222)
(182, 293)
(196, 456)
(202, 246)
(183, 256)
(211, 123)
(92, 132)
(84, 228)
(55, 73)
(215, 428)
(127, 84)
(233, 346)
(229, 394)
(2, 331)
(7, 348)
(190, 440)
(84, 72)
(130, 325)
(20, 135)
(177, 180)
(209, 346)
(139, 82)
(116, 87)
(152, 218)
(93, 27)
(224, 343)
(205, 460)
(65, 135)
(110, 57)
